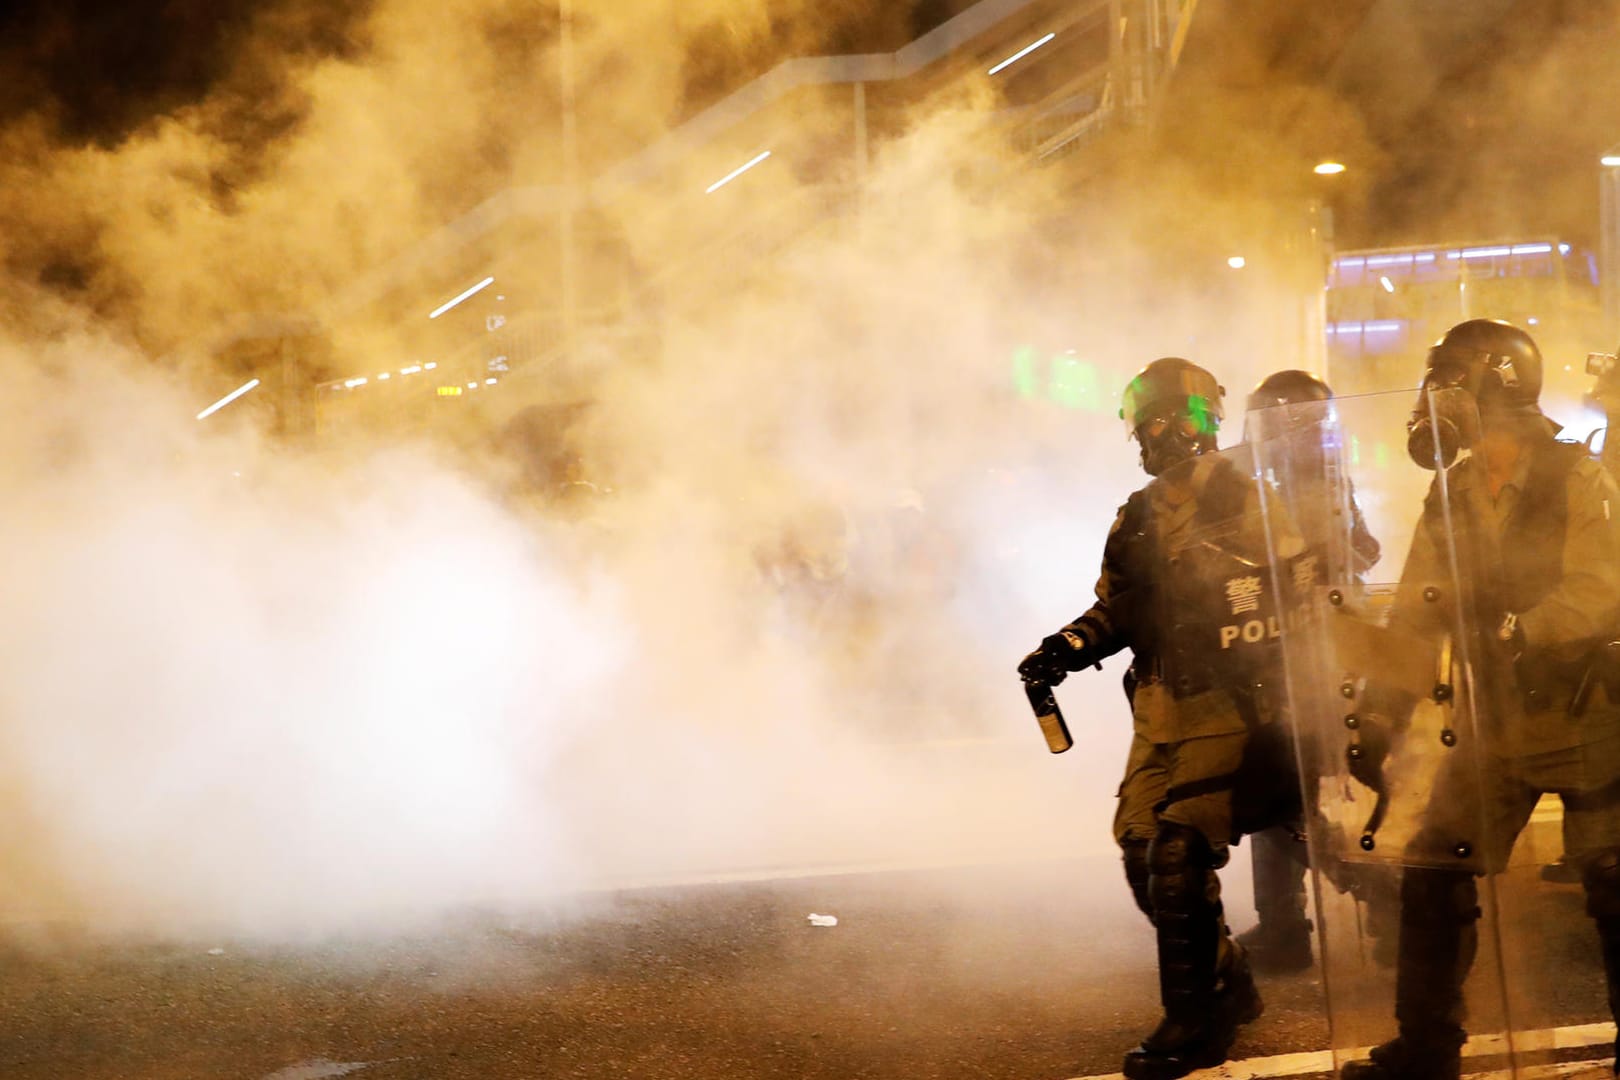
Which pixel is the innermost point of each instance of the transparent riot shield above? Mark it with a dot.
(1397, 687)
(1219, 656)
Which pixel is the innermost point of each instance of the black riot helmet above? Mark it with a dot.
(1173, 410)
(1493, 364)
(1493, 360)
(1290, 387)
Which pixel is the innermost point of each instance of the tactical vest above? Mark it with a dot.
(1176, 637)
(1531, 547)
(1516, 571)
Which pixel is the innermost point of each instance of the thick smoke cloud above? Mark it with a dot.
(285, 683)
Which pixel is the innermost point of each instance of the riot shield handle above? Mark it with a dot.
(1375, 820)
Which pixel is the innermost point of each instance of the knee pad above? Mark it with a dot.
(1183, 868)
(1178, 848)
(1137, 873)
(1600, 875)
(1438, 897)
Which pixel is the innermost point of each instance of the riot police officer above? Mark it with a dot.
(1281, 940)
(1533, 521)
(1192, 712)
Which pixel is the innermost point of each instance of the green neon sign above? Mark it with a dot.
(1064, 380)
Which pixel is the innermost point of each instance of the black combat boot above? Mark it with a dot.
(1608, 928)
(1180, 1045)
(1280, 944)
(1600, 874)
(1236, 995)
(1399, 1059)
(1438, 940)
(1277, 946)
(1204, 983)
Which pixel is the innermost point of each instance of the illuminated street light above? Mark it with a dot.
(448, 304)
(1237, 262)
(734, 173)
(1328, 168)
(227, 399)
(1389, 286)
(1610, 160)
(1021, 53)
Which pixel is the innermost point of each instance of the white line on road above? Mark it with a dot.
(1321, 1061)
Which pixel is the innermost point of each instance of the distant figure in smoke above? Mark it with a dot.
(1533, 520)
(1281, 940)
(542, 444)
(1185, 554)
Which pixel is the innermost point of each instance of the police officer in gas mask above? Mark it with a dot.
(1191, 713)
(1534, 524)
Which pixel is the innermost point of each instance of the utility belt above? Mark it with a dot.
(1248, 695)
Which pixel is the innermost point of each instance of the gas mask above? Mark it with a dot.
(1445, 420)
(1168, 441)
(1444, 423)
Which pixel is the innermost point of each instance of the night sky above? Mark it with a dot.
(101, 70)
(1505, 139)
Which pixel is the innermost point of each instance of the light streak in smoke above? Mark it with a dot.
(412, 370)
(729, 177)
(1021, 53)
(1387, 327)
(1237, 262)
(1611, 161)
(1328, 168)
(1389, 286)
(227, 399)
(1480, 253)
(448, 304)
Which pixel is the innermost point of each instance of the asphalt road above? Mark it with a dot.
(1036, 972)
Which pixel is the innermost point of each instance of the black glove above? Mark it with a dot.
(1038, 667)
(1368, 752)
(1058, 655)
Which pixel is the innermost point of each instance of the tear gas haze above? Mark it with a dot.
(285, 680)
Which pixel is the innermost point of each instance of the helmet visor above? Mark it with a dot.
(1190, 398)
(1454, 367)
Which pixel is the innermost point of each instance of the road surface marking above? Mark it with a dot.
(1321, 1061)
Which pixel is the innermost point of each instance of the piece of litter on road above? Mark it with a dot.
(320, 1069)
(216, 952)
(823, 920)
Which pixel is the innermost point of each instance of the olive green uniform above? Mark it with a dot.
(1186, 748)
(1546, 548)
(1531, 743)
